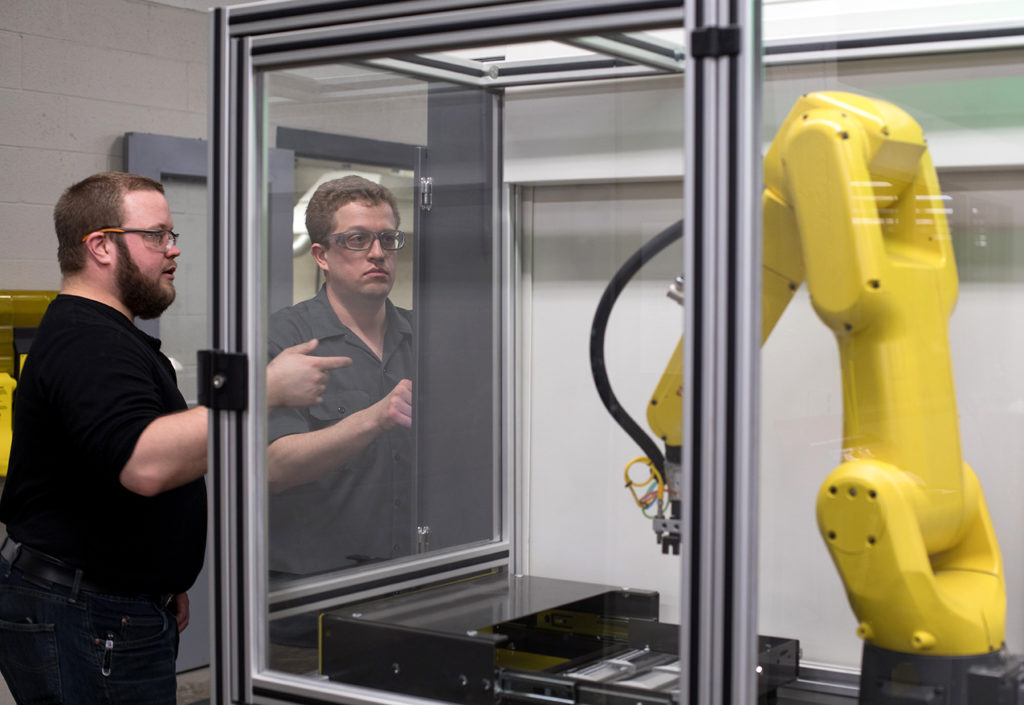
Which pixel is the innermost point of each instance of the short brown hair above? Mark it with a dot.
(93, 203)
(332, 195)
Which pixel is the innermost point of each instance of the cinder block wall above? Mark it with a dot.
(75, 75)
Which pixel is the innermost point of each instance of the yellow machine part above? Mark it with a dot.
(7, 385)
(19, 309)
(852, 204)
(852, 197)
(665, 408)
(523, 661)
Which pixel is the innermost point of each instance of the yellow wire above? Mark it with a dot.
(654, 476)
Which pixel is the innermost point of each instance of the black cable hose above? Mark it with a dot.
(597, 334)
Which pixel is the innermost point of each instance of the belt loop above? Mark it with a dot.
(76, 584)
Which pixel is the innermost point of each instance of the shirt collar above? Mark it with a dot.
(323, 317)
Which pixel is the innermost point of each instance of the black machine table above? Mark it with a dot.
(520, 639)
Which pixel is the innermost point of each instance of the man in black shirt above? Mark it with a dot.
(105, 503)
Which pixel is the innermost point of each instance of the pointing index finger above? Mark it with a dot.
(330, 363)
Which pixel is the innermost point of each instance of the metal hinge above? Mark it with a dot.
(422, 538)
(426, 193)
(223, 380)
(715, 41)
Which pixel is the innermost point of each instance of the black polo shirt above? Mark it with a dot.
(91, 384)
(362, 510)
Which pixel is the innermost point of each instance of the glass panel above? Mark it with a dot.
(580, 235)
(371, 572)
(342, 471)
(899, 403)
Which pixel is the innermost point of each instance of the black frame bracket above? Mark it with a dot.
(223, 380)
(713, 42)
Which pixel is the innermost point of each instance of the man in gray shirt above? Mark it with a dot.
(340, 472)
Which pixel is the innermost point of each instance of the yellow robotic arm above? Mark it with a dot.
(852, 205)
(851, 199)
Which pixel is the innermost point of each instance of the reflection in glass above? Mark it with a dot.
(310, 172)
(352, 483)
(433, 489)
(340, 471)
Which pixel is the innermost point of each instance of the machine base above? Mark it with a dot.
(895, 678)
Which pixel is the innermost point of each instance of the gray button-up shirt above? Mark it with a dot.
(361, 511)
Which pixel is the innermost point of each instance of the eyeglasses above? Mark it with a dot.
(363, 239)
(159, 240)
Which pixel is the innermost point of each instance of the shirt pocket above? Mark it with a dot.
(337, 406)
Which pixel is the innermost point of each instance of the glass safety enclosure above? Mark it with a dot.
(539, 478)
(939, 358)
(510, 163)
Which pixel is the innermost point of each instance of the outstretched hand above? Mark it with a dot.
(297, 378)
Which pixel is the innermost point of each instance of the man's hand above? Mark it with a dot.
(297, 378)
(396, 408)
(181, 610)
(299, 458)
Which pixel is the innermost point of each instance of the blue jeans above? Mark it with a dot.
(58, 647)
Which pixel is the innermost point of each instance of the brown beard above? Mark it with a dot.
(145, 299)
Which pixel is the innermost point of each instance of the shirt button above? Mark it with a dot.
(396, 548)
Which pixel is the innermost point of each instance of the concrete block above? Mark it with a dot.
(48, 18)
(30, 273)
(36, 176)
(66, 68)
(179, 33)
(10, 60)
(142, 27)
(32, 119)
(112, 24)
(198, 87)
(95, 126)
(27, 232)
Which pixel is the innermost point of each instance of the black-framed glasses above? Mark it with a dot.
(159, 240)
(360, 239)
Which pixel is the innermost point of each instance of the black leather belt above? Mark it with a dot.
(39, 567)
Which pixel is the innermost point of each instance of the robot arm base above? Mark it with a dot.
(906, 600)
(896, 678)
